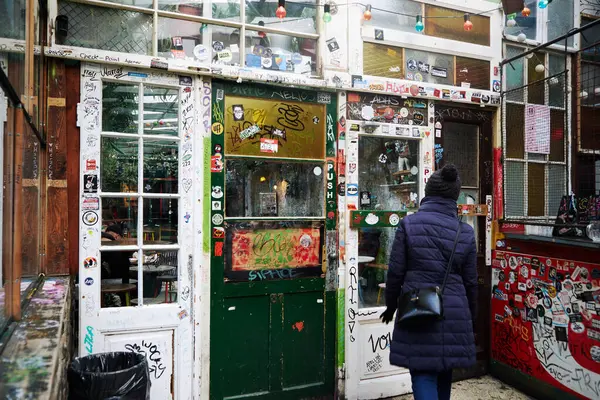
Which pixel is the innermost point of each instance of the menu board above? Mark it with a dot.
(274, 128)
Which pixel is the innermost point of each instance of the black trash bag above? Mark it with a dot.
(109, 376)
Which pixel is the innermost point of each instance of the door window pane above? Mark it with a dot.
(382, 60)
(374, 248)
(461, 148)
(536, 190)
(160, 221)
(119, 107)
(161, 166)
(161, 111)
(281, 52)
(261, 188)
(107, 28)
(388, 173)
(119, 166)
(119, 215)
(269, 250)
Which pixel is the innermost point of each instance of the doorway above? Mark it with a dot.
(464, 138)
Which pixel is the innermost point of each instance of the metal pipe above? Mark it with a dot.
(550, 43)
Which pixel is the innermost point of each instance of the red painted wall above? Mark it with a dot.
(545, 314)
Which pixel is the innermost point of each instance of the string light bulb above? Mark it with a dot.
(281, 12)
(539, 68)
(367, 14)
(419, 25)
(510, 22)
(526, 12)
(521, 37)
(468, 25)
(327, 13)
(543, 4)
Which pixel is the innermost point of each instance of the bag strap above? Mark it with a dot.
(452, 255)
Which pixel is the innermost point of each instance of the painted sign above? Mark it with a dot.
(275, 248)
(388, 109)
(545, 320)
(274, 128)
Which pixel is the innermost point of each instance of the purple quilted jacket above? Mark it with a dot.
(419, 258)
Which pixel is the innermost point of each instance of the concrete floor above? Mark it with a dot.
(483, 388)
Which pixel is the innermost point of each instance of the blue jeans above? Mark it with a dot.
(431, 385)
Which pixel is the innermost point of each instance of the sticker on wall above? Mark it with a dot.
(418, 118)
(269, 145)
(219, 249)
(332, 45)
(411, 65)
(216, 163)
(367, 113)
(217, 45)
(439, 72)
(418, 77)
(378, 34)
(218, 232)
(91, 203)
(90, 165)
(318, 171)
(187, 217)
(201, 53)
(89, 281)
(372, 219)
(217, 219)
(90, 262)
(414, 90)
(90, 218)
(238, 112)
(496, 86)
(394, 219)
(217, 192)
(90, 183)
(365, 198)
(216, 205)
(225, 56)
(352, 189)
(217, 128)
(185, 80)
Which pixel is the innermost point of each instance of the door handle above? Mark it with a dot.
(273, 298)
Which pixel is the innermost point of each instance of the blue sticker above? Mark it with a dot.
(89, 281)
(137, 74)
(296, 58)
(352, 189)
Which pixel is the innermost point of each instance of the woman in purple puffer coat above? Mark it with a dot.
(419, 259)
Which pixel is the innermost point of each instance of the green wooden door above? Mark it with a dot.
(273, 210)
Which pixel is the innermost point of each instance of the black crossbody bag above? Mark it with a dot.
(420, 307)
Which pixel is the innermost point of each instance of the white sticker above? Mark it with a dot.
(367, 113)
(318, 171)
(404, 112)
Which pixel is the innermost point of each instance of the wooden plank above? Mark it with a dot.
(72, 96)
(8, 214)
(17, 261)
(57, 236)
(30, 254)
(57, 134)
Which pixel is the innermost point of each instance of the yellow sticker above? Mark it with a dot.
(217, 128)
(391, 52)
(552, 291)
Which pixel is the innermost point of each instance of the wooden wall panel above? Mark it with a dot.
(73, 91)
(57, 228)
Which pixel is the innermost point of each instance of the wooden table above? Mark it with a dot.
(117, 288)
(151, 273)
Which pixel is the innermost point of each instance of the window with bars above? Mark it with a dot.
(535, 126)
(237, 32)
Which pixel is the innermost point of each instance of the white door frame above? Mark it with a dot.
(99, 327)
(363, 328)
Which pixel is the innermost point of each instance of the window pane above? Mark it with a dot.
(120, 215)
(514, 75)
(452, 28)
(382, 60)
(118, 285)
(388, 173)
(374, 248)
(526, 25)
(190, 7)
(270, 128)
(590, 128)
(107, 28)
(515, 127)
(474, 72)
(536, 189)
(561, 20)
(589, 46)
(256, 188)
(119, 107)
(161, 166)
(159, 277)
(557, 187)
(556, 84)
(161, 111)
(269, 250)
(429, 67)
(119, 165)
(514, 200)
(300, 17)
(590, 80)
(389, 20)
(557, 135)
(535, 91)
(12, 19)
(160, 221)
(280, 52)
(461, 148)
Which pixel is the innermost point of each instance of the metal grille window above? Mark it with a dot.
(535, 126)
(241, 33)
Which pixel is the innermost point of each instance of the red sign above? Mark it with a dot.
(90, 165)
(498, 184)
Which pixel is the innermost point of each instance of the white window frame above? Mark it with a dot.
(542, 30)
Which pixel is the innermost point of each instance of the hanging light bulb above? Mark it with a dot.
(521, 37)
(327, 13)
(468, 25)
(510, 22)
(419, 25)
(367, 14)
(281, 13)
(526, 12)
(543, 4)
(539, 68)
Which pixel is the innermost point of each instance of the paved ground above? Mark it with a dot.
(483, 388)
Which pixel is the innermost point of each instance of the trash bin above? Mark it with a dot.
(109, 376)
